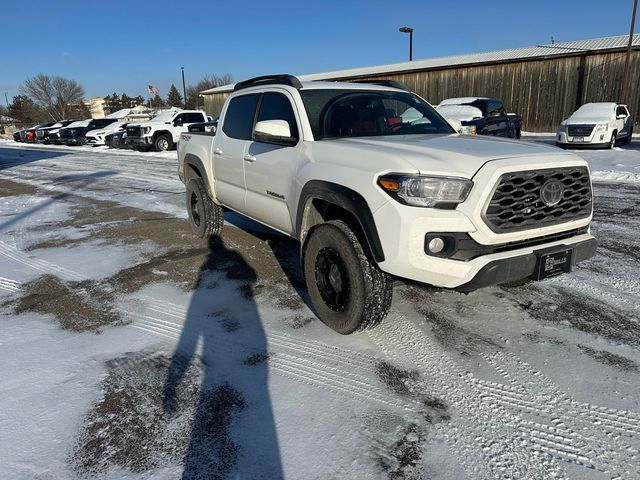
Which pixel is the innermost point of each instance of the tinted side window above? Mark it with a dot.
(621, 111)
(238, 121)
(276, 106)
(193, 118)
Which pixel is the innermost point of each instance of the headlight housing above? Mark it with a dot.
(602, 127)
(146, 130)
(468, 130)
(426, 191)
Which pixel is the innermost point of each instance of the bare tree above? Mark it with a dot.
(205, 83)
(60, 97)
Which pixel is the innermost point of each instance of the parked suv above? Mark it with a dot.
(76, 134)
(376, 185)
(163, 131)
(481, 116)
(596, 125)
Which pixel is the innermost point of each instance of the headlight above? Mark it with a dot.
(422, 191)
(147, 130)
(468, 130)
(603, 127)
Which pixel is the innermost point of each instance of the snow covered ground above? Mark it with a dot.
(131, 349)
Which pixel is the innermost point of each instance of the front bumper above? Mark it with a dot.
(597, 139)
(139, 141)
(521, 267)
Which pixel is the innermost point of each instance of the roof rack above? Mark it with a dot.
(385, 83)
(281, 79)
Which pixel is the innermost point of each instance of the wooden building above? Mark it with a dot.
(543, 83)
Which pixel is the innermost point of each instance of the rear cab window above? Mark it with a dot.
(238, 119)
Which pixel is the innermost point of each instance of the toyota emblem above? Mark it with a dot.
(551, 192)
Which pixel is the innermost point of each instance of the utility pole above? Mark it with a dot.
(184, 89)
(6, 99)
(625, 75)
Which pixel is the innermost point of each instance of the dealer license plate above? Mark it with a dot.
(552, 264)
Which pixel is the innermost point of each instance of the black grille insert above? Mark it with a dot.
(516, 203)
(580, 130)
(134, 131)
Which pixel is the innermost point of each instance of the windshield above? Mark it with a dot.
(360, 113)
(605, 110)
(164, 116)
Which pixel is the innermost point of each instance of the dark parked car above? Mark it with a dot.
(482, 116)
(42, 133)
(117, 139)
(16, 136)
(75, 134)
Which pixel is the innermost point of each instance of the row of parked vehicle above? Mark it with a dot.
(160, 133)
(593, 125)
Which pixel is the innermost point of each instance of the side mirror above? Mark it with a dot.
(622, 116)
(177, 123)
(276, 132)
(455, 123)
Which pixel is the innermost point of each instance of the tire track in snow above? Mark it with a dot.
(9, 285)
(486, 439)
(304, 361)
(18, 256)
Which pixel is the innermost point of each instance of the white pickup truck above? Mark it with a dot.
(163, 130)
(375, 184)
(596, 125)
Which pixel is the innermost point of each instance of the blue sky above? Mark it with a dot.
(119, 46)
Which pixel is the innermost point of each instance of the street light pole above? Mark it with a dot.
(6, 99)
(409, 30)
(184, 89)
(625, 75)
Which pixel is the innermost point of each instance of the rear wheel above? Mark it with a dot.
(81, 140)
(348, 291)
(206, 218)
(163, 142)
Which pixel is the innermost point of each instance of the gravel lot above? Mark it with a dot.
(132, 349)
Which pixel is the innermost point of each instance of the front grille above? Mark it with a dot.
(580, 130)
(134, 131)
(516, 203)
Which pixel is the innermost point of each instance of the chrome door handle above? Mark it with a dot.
(217, 151)
(249, 158)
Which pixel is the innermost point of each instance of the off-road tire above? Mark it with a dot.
(205, 217)
(368, 289)
(612, 142)
(159, 142)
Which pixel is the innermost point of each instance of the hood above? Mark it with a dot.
(585, 120)
(454, 155)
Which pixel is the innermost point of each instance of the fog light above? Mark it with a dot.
(436, 245)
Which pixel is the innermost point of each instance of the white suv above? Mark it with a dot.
(596, 125)
(375, 184)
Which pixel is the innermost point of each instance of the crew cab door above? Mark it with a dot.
(269, 169)
(229, 148)
(497, 120)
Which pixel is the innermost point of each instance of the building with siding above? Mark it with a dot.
(543, 83)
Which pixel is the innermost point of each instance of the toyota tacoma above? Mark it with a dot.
(376, 185)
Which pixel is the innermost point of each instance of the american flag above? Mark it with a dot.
(154, 90)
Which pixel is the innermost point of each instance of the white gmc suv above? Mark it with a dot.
(596, 125)
(375, 184)
(163, 130)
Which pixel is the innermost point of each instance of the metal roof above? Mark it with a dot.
(563, 48)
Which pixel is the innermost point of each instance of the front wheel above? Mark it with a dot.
(612, 142)
(163, 142)
(206, 218)
(627, 140)
(349, 292)
(81, 140)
